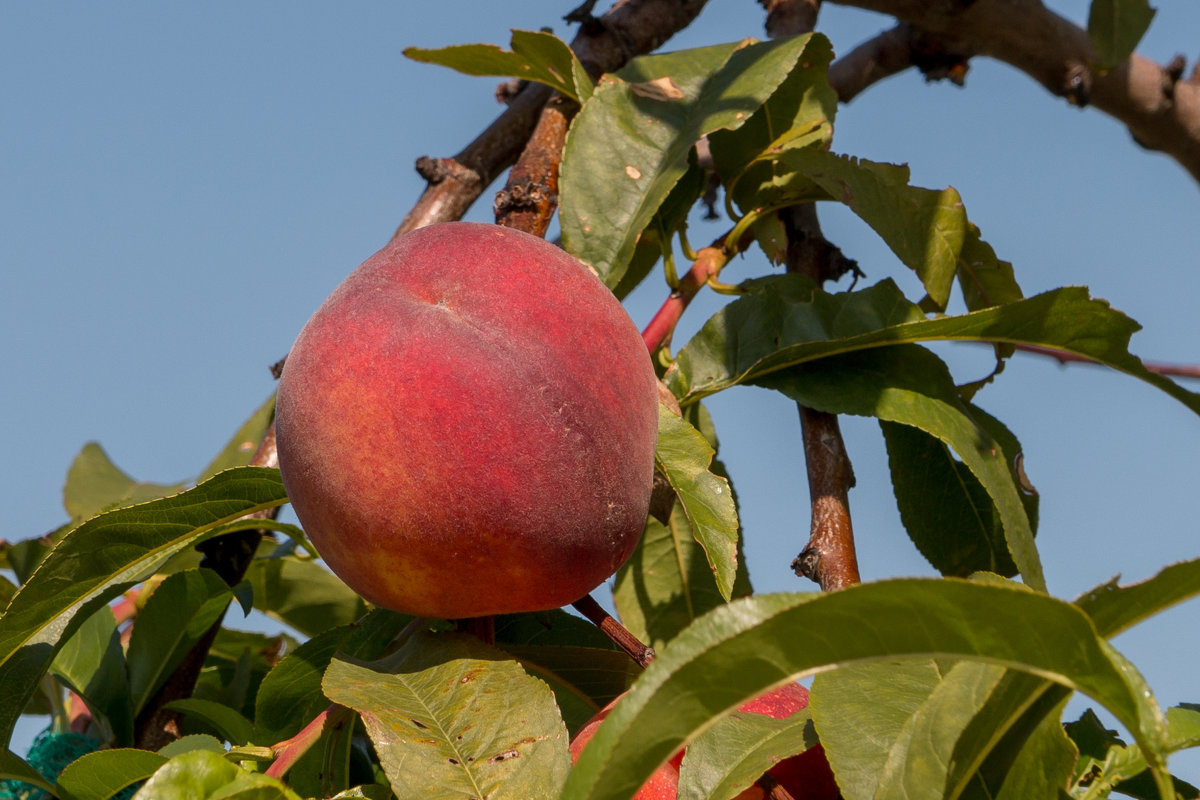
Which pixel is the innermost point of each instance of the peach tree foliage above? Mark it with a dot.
(951, 687)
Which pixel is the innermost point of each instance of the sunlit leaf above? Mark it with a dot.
(201, 773)
(95, 483)
(103, 557)
(684, 457)
(92, 662)
(100, 775)
(1116, 27)
(179, 612)
(451, 717)
(535, 56)
(784, 321)
(629, 145)
(705, 671)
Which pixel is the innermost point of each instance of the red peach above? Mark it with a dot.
(467, 426)
(806, 776)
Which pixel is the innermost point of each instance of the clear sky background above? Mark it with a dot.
(181, 185)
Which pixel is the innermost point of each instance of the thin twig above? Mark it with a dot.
(289, 751)
(642, 654)
(707, 266)
(1157, 367)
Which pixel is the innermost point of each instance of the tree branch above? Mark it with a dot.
(1160, 108)
(528, 200)
(829, 557)
(628, 29)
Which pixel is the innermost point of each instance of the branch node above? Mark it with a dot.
(437, 170)
(523, 196)
(808, 564)
(1077, 86)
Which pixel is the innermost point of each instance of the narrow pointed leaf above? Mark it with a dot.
(910, 385)
(105, 555)
(95, 483)
(451, 718)
(785, 321)
(731, 755)
(290, 696)
(1116, 608)
(666, 584)
(92, 663)
(684, 457)
(925, 228)
(535, 56)
(1116, 27)
(100, 775)
(629, 145)
(984, 279)
(177, 615)
(705, 672)
(302, 593)
(946, 510)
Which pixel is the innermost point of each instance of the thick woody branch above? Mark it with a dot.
(528, 200)
(628, 29)
(1158, 105)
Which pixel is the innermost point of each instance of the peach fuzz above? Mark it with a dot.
(467, 426)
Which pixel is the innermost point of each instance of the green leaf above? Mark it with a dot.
(100, 775)
(244, 442)
(553, 627)
(798, 114)
(303, 594)
(946, 510)
(925, 228)
(705, 671)
(95, 484)
(1043, 766)
(731, 755)
(984, 279)
(671, 217)
(583, 679)
(290, 695)
(191, 743)
(228, 722)
(452, 717)
(104, 556)
(92, 662)
(1116, 27)
(784, 321)
(908, 384)
(535, 56)
(684, 457)
(629, 145)
(13, 767)
(203, 774)
(667, 583)
(1116, 608)
(179, 612)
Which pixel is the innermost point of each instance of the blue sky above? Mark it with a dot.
(182, 184)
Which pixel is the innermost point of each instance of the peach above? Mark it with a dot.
(467, 426)
(805, 776)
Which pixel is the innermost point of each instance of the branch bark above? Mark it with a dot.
(1160, 108)
(603, 44)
